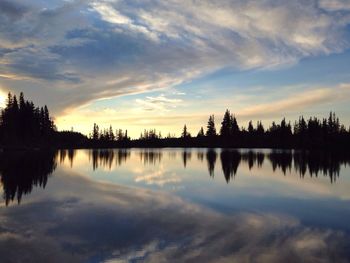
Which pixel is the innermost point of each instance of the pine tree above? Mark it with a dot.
(225, 130)
(201, 132)
(126, 137)
(250, 127)
(95, 132)
(211, 131)
(21, 101)
(185, 133)
(234, 126)
(260, 128)
(111, 134)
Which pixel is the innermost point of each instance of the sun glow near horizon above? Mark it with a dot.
(3, 97)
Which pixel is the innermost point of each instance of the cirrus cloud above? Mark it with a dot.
(79, 51)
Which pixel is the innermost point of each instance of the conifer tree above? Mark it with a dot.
(226, 125)
(211, 131)
(185, 133)
(250, 127)
(201, 132)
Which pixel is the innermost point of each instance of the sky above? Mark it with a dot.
(161, 64)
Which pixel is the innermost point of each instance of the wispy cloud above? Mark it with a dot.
(155, 44)
(298, 101)
(160, 102)
(335, 5)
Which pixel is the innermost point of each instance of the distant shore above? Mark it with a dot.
(217, 142)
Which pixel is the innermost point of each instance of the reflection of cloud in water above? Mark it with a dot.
(78, 220)
(159, 177)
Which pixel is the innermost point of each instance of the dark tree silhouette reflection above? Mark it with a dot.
(211, 159)
(200, 156)
(303, 162)
(186, 156)
(282, 160)
(21, 171)
(151, 156)
(326, 163)
(106, 157)
(230, 161)
(64, 153)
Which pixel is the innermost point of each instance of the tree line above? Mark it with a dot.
(312, 133)
(108, 135)
(22, 123)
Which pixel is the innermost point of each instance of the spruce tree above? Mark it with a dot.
(211, 131)
(226, 125)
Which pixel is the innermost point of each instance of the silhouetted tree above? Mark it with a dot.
(226, 125)
(211, 130)
(234, 126)
(111, 133)
(201, 132)
(250, 127)
(260, 128)
(24, 123)
(185, 133)
(95, 132)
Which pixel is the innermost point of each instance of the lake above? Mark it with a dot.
(177, 205)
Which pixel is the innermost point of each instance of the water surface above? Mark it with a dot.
(178, 205)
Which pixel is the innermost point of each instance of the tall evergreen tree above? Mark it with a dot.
(111, 133)
(226, 125)
(185, 133)
(211, 130)
(260, 128)
(95, 132)
(234, 126)
(250, 127)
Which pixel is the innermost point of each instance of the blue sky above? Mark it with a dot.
(161, 64)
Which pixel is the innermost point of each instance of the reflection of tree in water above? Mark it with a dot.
(106, 157)
(260, 157)
(230, 160)
(151, 156)
(252, 158)
(327, 163)
(186, 156)
(21, 171)
(200, 156)
(211, 159)
(282, 160)
(64, 153)
(313, 163)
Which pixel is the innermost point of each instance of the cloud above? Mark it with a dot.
(29, 63)
(160, 103)
(335, 5)
(110, 14)
(298, 101)
(81, 51)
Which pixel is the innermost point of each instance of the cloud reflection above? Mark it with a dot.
(81, 220)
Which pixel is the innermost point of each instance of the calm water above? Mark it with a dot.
(178, 205)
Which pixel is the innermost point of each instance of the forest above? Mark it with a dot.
(23, 125)
(311, 133)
